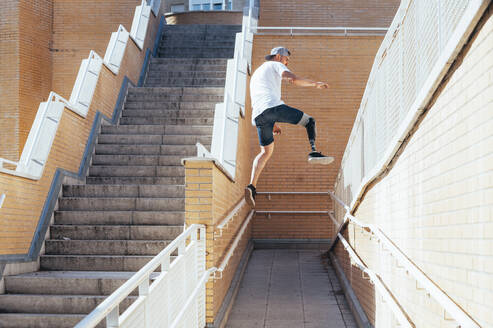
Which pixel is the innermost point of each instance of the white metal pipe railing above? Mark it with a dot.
(305, 30)
(195, 235)
(396, 309)
(459, 315)
(227, 219)
(232, 249)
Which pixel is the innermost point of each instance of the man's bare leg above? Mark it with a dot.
(257, 167)
(260, 161)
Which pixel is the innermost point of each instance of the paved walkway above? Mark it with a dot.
(289, 289)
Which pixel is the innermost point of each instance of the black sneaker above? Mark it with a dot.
(316, 157)
(250, 194)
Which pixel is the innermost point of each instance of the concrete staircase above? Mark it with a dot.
(133, 203)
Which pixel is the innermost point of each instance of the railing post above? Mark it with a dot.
(113, 317)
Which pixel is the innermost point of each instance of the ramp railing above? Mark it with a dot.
(448, 305)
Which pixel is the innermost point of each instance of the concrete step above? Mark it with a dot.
(122, 204)
(179, 91)
(93, 262)
(54, 304)
(196, 62)
(115, 232)
(136, 160)
(170, 113)
(112, 149)
(41, 320)
(66, 282)
(164, 97)
(165, 121)
(147, 191)
(136, 171)
(168, 105)
(136, 180)
(185, 82)
(120, 217)
(156, 129)
(186, 66)
(190, 53)
(105, 247)
(225, 41)
(155, 73)
(129, 139)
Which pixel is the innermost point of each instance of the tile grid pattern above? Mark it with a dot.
(289, 288)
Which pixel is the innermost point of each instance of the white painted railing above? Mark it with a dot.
(227, 114)
(396, 309)
(174, 298)
(116, 49)
(307, 30)
(41, 136)
(417, 51)
(224, 223)
(86, 82)
(218, 274)
(139, 24)
(449, 306)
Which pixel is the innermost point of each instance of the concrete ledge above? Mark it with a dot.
(223, 314)
(321, 244)
(354, 304)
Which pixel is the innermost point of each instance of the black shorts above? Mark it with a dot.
(265, 121)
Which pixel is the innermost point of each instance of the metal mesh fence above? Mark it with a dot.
(409, 52)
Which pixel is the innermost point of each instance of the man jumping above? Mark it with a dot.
(268, 108)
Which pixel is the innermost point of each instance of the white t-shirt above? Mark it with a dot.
(265, 87)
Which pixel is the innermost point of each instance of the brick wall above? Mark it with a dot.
(25, 73)
(9, 83)
(345, 64)
(35, 70)
(210, 197)
(77, 31)
(333, 13)
(436, 203)
(25, 198)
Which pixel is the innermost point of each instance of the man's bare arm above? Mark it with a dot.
(302, 82)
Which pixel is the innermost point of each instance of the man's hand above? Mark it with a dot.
(321, 85)
(276, 130)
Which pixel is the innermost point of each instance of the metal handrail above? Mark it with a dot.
(336, 31)
(399, 313)
(232, 249)
(111, 303)
(228, 217)
(435, 291)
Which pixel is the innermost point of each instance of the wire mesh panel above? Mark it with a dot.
(408, 55)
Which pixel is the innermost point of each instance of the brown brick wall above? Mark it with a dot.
(25, 73)
(35, 71)
(25, 198)
(345, 64)
(9, 82)
(331, 13)
(77, 31)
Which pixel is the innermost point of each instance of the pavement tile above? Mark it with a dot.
(289, 289)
